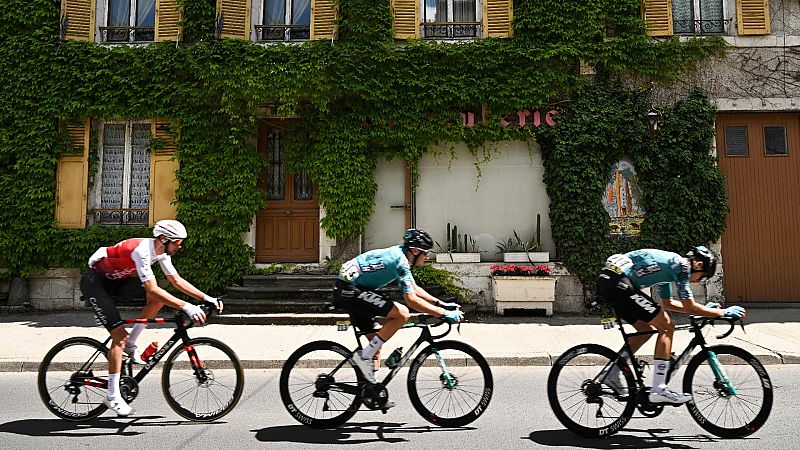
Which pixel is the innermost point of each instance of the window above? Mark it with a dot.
(284, 20)
(736, 141)
(775, 140)
(450, 19)
(122, 191)
(698, 17)
(128, 21)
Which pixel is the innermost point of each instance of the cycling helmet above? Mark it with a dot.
(414, 238)
(172, 229)
(703, 254)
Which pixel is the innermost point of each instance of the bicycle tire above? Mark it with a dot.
(438, 403)
(574, 371)
(308, 397)
(724, 415)
(59, 372)
(214, 396)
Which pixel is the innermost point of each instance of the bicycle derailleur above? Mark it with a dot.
(374, 396)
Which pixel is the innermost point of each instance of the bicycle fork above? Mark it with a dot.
(448, 379)
(719, 372)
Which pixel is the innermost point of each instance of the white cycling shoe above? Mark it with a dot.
(364, 366)
(119, 406)
(670, 397)
(135, 355)
(617, 384)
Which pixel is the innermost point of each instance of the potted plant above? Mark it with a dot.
(516, 250)
(458, 249)
(523, 288)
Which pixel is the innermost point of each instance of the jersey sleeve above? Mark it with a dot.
(142, 259)
(167, 267)
(684, 290)
(101, 253)
(404, 278)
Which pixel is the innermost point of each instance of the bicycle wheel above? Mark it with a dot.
(202, 380)
(580, 400)
(319, 386)
(456, 400)
(69, 382)
(718, 411)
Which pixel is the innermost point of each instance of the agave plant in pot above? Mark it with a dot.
(523, 290)
(458, 248)
(515, 249)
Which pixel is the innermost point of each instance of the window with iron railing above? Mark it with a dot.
(699, 17)
(128, 21)
(284, 20)
(122, 195)
(451, 19)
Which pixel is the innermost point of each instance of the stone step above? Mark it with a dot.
(288, 280)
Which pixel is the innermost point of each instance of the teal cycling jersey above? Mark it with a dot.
(651, 267)
(377, 268)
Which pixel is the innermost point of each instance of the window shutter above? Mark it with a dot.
(168, 14)
(163, 166)
(497, 18)
(658, 14)
(323, 17)
(753, 17)
(72, 175)
(80, 19)
(235, 18)
(405, 19)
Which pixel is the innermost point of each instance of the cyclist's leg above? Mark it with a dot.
(659, 393)
(149, 311)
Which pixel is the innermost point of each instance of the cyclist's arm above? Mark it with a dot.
(691, 307)
(422, 304)
(184, 286)
(153, 289)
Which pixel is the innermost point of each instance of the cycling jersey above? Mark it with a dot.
(128, 257)
(377, 268)
(651, 267)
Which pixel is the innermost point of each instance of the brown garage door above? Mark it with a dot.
(761, 244)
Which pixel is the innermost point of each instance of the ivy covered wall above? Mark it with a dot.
(359, 97)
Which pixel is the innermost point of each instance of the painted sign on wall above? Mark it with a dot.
(623, 200)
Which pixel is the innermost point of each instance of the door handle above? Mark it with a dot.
(288, 212)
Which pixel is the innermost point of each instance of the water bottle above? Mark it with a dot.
(149, 351)
(394, 358)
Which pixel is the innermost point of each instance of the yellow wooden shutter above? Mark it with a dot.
(658, 14)
(168, 14)
(753, 17)
(497, 18)
(72, 175)
(163, 165)
(405, 19)
(80, 17)
(323, 17)
(235, 18)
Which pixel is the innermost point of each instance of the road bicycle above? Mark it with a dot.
(449, 382)
(731, 390)
(202, 379)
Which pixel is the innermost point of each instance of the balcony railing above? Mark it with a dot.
(272, 33)
(451, 30)
(121, 216)
(701, 26)
(128, 34)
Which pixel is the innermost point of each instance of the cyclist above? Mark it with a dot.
(355, 292)
(620, 284)
(111, 273)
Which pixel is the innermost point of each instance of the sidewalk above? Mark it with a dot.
(772, 334)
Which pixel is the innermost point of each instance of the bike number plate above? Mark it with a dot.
(608, 322)
(341, 325)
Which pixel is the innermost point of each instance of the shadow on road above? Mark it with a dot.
(629, 438)
(97, 427)
(354, 433)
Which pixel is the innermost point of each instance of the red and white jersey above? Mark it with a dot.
(128, 257)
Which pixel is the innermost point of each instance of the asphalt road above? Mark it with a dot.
(519, 416)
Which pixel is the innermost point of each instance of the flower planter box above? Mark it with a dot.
(523, 293)
(523, 257)
(458, 257)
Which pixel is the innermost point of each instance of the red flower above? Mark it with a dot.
(524, 271)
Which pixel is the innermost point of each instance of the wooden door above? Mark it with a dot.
(758, 153)
(287, 231)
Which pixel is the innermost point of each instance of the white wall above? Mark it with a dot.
(506, 197)
(387, 224)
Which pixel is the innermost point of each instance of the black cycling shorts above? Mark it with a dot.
(99, 292)
(628, 301)
(361, 304)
